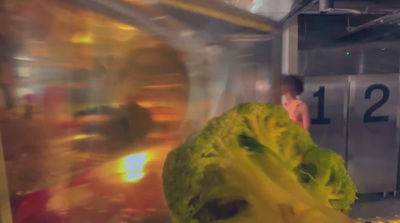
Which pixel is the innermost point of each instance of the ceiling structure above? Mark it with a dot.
(360, 6)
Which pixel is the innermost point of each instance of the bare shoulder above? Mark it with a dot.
(303, 107)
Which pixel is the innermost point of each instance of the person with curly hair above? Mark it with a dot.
(291, 87)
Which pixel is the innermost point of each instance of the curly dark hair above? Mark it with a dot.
(294, 83)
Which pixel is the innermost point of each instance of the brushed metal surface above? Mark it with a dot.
(330, 130)
(372, 144)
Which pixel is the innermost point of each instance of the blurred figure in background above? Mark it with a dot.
(292, 86)
(125, 125)
(129, 124)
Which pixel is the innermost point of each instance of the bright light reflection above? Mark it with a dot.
(134, 176)
(132, 166)
(134, 162)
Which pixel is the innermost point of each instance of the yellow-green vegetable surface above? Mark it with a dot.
(254, 165)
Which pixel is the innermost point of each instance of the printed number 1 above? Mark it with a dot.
(321, 119)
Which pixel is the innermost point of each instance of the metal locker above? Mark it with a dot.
(327, 98)
(373, 136)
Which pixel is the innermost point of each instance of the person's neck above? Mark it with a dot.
(289, 98)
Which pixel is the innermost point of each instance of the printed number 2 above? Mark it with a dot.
(321, 120)
(368, 114)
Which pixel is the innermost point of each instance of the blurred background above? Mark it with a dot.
(95, 93)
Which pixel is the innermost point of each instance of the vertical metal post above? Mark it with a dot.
(398, 138)
(326, 6)
(290, 46)
(276, 68)
(5, 207)
(346, 112)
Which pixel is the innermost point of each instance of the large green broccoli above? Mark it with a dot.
(254, 165)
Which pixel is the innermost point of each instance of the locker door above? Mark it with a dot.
(373, 137)
(327, 98)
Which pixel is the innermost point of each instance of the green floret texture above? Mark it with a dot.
(253, 164)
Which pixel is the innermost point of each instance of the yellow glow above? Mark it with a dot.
(82, 38)
(80, 137)
(71, 138)
(124, 26)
